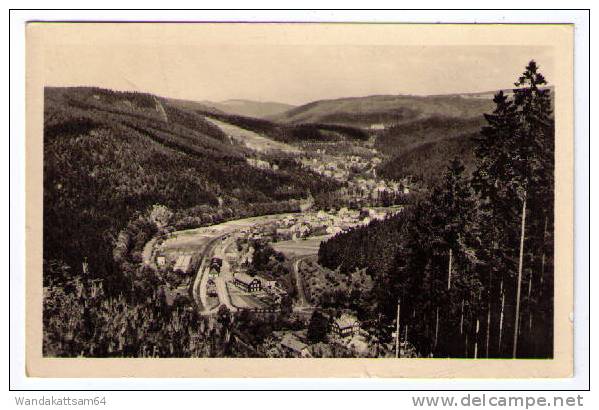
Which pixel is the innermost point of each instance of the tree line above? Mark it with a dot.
(469, 267)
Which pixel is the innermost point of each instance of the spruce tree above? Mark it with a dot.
(515, 173)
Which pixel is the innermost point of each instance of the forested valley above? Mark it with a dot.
(109, 159)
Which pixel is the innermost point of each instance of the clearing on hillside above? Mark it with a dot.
(251, 139)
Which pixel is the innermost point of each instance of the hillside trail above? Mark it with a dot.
(161, 110)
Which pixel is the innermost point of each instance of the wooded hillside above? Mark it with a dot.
(471, 263)
(110, 156)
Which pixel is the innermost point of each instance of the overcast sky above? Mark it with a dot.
(294, 74)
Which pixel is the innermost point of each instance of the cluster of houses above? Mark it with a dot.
(365, 184)
(343, 330)
(327, 222)
(261, 286)
(252, 284)
(296, 231)
(331, 222)
(299, 226)
(261, 164)
(338, 167)
(373, 188)
(348, 168)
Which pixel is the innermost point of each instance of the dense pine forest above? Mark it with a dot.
(109, 159)
(471, 263)
(112, 161)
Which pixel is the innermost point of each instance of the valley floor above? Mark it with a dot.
(211, 288)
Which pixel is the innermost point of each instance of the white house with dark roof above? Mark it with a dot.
(247, 283)
(345, 325)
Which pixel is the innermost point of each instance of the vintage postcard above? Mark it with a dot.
(299, 200)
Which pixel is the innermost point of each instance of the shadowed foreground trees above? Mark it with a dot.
(472, 262)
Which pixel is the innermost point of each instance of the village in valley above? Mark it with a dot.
(257, 265)
(216, 266)
(266, 266)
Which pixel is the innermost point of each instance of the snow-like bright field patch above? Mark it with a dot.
(251, 139)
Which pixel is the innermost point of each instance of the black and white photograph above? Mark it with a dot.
(204, 198)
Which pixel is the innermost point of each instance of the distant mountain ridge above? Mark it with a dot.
(384, 109)
(249, 108)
